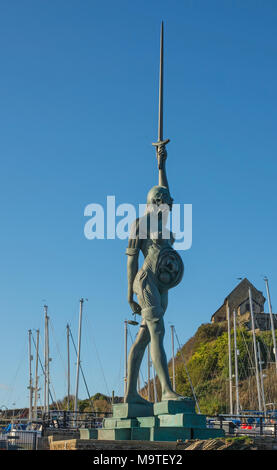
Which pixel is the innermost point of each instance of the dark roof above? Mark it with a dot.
(243, 281)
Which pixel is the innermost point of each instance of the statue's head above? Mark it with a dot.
(159, 196)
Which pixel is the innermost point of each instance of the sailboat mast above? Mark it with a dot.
(46, 361)
(236, 362)
(149, 372)
(261, 377)
(68, 368)
(230, 361)
(78, 356)
(126, 355)
(155, 386)
(36, 377)
(255, 350)
(173, 358)
(271, 321)
(30, 379)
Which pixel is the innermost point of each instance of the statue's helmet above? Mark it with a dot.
(159, 195)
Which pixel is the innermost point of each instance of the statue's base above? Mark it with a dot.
(164, 421)
(130, 410)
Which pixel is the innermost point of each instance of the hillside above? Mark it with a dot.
(206, 358)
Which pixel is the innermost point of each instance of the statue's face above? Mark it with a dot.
(159, 196)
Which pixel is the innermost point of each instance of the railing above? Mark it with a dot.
(23, 434)
(73, 420)
(257, 424)
(19, 440)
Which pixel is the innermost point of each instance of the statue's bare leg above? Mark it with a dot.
(153, 306)
(158, 356)
(134, 361)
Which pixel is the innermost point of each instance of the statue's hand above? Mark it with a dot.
(161, 155)
(136, 309)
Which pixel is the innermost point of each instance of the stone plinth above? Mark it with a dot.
(88, 433)
(164, 421)
(187, 405)
(114, 434)
(129, 410)
(188, 420)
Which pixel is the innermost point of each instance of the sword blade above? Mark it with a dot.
(161, 90)
(161, 84)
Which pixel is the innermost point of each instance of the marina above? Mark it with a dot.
(26, 429)
(131, 321)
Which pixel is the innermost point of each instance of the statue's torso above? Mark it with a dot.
(161, 261)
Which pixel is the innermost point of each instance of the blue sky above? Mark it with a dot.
(78, 114)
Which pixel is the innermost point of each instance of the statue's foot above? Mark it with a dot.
(171, 395)
(136, 399)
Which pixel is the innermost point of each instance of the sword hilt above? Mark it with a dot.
(160, 143)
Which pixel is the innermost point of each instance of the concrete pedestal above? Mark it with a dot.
(164, 421)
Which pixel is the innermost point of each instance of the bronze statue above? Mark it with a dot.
(162, 269)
